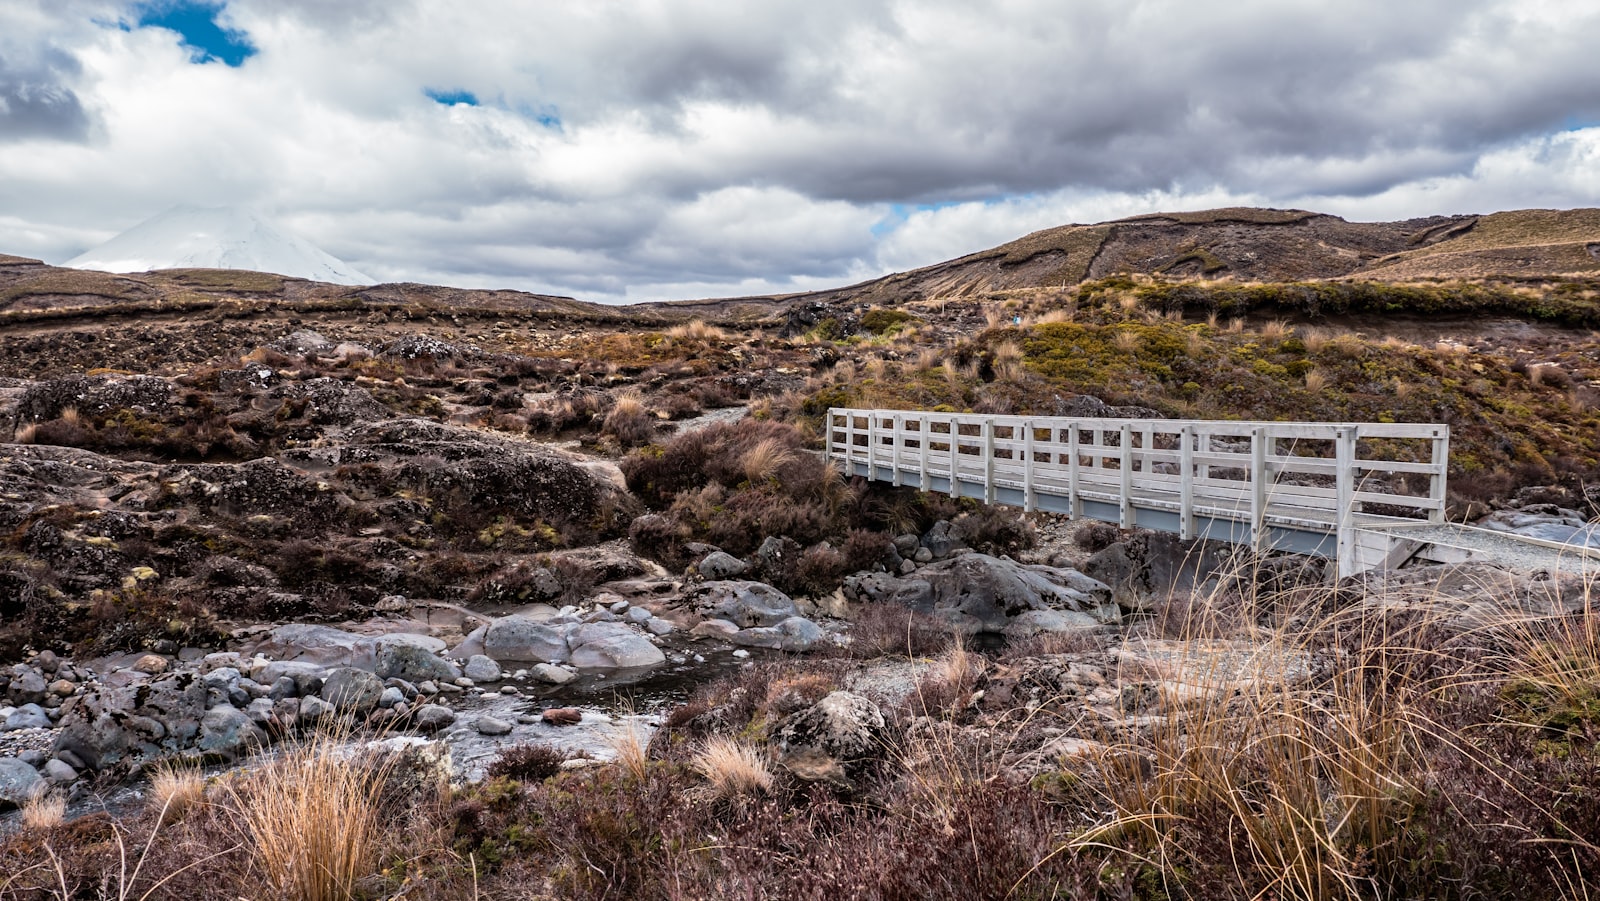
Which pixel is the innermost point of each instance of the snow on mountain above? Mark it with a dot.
(189, 237)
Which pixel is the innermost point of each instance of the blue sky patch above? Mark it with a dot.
(900, 212)
(196, 22)
(451, 98)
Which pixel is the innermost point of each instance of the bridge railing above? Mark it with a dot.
(1311, 475)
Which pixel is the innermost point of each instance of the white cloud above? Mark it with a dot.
(634, 150)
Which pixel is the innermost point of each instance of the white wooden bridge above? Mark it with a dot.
(1346, 491)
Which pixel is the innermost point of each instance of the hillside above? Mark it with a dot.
(1260, 245)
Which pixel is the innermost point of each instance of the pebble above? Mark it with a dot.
(150, 665)
(563, 716)
(555, 675)
(433, 717)
(488, 725)
(480, 668)
(741, 653)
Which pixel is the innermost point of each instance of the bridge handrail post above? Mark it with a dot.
(1345, 491)
(1029, 503)
(1186, 463)
(872, 445)
(955, 456)
(1436, 481)
(922, 441)
(988, 459)
(827, 437)
(1074, 498)
(1258, 487)
(1125, 513)
(899, 439)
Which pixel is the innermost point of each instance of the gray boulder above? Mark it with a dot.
(720, 565)
(227, 732)
(489, 725)
(433, 717)
(745, 604)
(352, 690)
(612, 646)
(830, 740)
(108, 723)
(28, 716)
(19, 782)
(794, 634)
(480, 668)
(979, 593)
(413, 663)
(523, 640)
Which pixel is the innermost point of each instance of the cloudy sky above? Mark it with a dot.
(623, 151)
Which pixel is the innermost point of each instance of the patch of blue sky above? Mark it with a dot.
(452, 98)
(195, 21)
(900, 212)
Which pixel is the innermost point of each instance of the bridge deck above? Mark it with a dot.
(1307, 487)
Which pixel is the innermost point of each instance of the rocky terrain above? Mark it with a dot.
(580, 611)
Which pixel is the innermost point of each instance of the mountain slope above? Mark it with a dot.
(1266, 245)
(188, 237)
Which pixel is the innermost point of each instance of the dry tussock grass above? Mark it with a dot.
(313, 820)
(174, 791)
(732, 768)
(44, 811)
(696, 330)
(766, 460)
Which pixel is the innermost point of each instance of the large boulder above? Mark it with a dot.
(746, 604)
(109, 723)
(794, 634)
(413, 663)
(611, 646)
(19, 782)
(979, 593)
(1145, 568)
(520, 639)
(831, 740)
(228, 732)
(353, 690)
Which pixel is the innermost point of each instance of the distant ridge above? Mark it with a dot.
(191, 237)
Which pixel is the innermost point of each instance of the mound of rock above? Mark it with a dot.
(979, 593)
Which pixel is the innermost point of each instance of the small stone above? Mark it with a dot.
(488, 725)
(637, 615)
(433, 717)
(314, 708)
(563, 716)
(508, 689)
(390, 697)
(907, 567)
(619, 607)
(151, 664)
(47, 661)
(923, 555)
(480, 668)
(427, 687)
(59, 772)
(282, 687)
(741, 653)
(554, 675)
(658, 626)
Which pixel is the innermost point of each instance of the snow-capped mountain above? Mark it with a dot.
(190, 237)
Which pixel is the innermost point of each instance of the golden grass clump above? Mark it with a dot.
(45, 810)
(732, 768)
(927, 359)
(696, 330)
(174, 791)
(766, 460)
(313, 818)
(631, 754)
(1127, 342)
(1316, 380)
(1276, 330)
